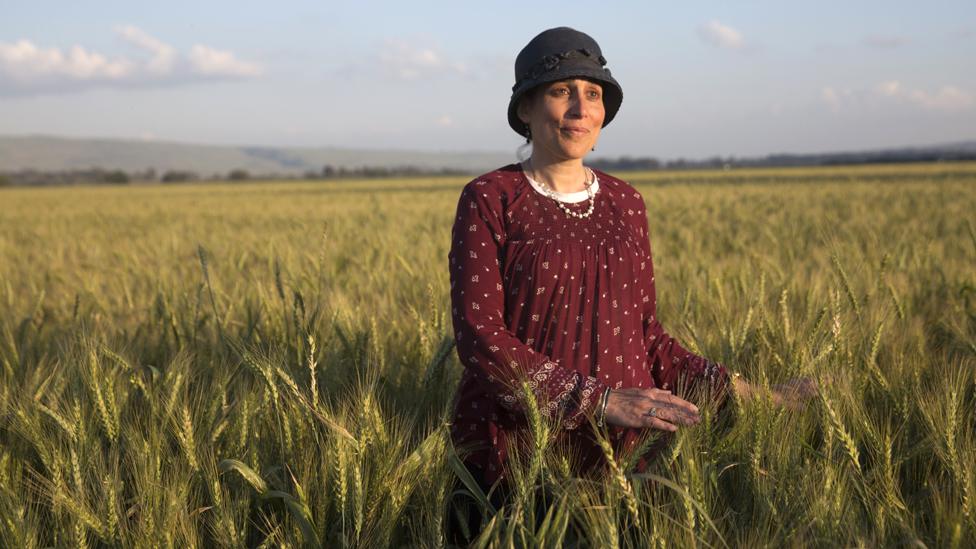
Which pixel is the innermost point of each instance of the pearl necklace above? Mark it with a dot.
(590, 194)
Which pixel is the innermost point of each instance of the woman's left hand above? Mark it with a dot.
(792, 394)
(795, 393)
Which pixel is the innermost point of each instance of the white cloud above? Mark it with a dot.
(409, 61)
(444, 121)
(948, 98)
(721, 35)
(27, 69)
(833, 98)
(890, 88)
(406, 59)
(164, 55)
(24, 62)
(212, 62)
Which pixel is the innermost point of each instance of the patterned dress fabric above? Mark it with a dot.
(561, 305)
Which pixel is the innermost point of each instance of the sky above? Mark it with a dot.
(700, 79)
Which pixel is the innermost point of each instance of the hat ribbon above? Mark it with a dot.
(552, 61)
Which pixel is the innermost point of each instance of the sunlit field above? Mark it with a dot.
(271, 364)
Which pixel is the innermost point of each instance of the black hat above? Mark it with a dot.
(558, 54)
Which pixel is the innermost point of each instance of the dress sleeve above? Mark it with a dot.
(487, 348)
(671, 364)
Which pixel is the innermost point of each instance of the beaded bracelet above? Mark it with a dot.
(602, 414)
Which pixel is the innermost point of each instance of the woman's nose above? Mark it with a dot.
(577, 107)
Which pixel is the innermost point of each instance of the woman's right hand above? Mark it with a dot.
(650, 408)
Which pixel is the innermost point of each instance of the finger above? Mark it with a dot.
(669, 412)
(667, 399)
(803, 388)
(674, 401)
(812, 387)
(678, 410)
(672, 415)
(659, 424)
(652, 392)
(638, 411)
(795, 405)
(789, 401)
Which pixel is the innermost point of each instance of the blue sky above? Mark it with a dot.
(699, 78)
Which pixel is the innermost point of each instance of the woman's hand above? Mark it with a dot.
(792, 394)
(795, 392)
(650, 408)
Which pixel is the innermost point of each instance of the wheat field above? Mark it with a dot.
(270, 364)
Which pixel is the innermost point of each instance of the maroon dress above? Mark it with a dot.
(562, 303)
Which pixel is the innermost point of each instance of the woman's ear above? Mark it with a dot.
(524, 109)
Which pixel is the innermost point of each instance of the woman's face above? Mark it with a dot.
(564, 117)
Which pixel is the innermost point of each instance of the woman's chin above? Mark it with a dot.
(574, 150)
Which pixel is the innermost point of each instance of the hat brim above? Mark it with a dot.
(612, 93)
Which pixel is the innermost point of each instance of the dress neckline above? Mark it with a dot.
(570, 198)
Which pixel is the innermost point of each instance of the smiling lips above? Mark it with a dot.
(575, 130)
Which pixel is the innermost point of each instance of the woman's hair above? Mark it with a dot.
(527, 99)
(524, 150)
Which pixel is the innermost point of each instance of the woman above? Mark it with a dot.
(552, 280)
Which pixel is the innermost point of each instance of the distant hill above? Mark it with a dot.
(49, 154)
(965, 150)
(947, 152)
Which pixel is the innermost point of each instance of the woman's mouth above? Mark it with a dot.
(575, 130)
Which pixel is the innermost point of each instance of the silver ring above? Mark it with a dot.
(652, 412)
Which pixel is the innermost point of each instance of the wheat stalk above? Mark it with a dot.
(620, 480)
(842, 433)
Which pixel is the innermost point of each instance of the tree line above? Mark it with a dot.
(961, 152)
(121, 177)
